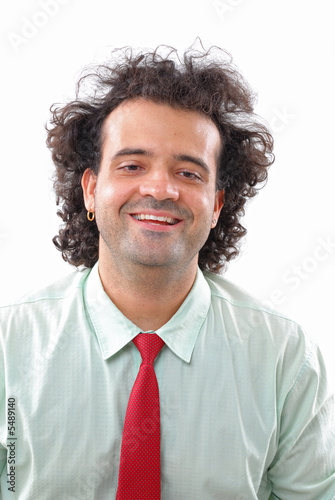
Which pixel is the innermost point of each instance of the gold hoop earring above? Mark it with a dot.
(90, 216)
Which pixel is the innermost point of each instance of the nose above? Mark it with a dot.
(159, 184)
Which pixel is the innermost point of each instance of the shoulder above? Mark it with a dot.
(42, 302)
(229, 293)
(53, 291)
(246, 317)
(264, 337)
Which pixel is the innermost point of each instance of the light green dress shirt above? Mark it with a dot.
(245, 409)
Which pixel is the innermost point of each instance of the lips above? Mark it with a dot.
(156, 219)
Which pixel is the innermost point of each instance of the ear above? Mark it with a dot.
(219, 202)
(88, 183)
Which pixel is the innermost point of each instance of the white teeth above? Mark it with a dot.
(169, 220)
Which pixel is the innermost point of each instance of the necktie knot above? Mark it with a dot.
(149, 345)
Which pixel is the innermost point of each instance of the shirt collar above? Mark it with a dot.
(114, 330)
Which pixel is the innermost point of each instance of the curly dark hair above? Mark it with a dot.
(202, 80)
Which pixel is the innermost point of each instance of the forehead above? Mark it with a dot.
(141, 122)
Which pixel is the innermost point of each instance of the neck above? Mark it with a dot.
(149, 297)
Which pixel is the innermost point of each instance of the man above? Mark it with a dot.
(153, 171)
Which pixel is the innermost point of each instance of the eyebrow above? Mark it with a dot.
(182, 157)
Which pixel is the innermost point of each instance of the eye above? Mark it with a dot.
(190, 175)
(131, 168)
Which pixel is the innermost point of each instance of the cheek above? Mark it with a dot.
(203, 204)
(111, 195)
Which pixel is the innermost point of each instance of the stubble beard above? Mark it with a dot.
(165, 263)
(155, 256)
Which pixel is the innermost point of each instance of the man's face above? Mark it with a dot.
(154, 197)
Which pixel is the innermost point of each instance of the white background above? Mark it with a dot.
(285, 49)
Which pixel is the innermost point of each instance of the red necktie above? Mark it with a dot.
(139, 474)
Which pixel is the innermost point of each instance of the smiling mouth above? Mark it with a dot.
(154, 219)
